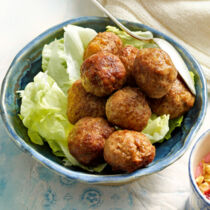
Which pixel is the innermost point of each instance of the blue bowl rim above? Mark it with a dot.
(192, 180)
(92, 178)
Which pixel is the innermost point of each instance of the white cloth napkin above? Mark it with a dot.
(186, 21)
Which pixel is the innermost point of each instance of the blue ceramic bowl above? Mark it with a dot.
(27, 64)
(197, 199)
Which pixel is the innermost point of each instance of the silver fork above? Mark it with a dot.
(163, 44)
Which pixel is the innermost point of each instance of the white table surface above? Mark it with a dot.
(24, 183)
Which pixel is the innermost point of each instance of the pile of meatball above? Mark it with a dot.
(120, 87)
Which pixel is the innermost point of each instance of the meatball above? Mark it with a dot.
(82, 104)
(105, 41)
(176, 102)
(128, 150)
(128, 108)
(86, 140)
(154, 72)
(102, 73)
(127, 56)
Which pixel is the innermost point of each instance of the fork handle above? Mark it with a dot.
(121, 26)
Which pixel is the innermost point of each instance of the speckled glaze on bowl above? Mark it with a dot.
(27, 64)
(200, 149)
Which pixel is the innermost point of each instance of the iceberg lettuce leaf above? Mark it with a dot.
(43, 112)
(128, 40)
(157, 128)
(62, 58)
(174, 123)
(76, 40)
(160, 128)
(54, 63)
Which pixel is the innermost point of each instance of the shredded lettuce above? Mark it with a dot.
(173, 123)
(54, 63)
(157, 127)
(43, 112)
(128, 40)
(160, 128)
(76, 40)
(62, 58)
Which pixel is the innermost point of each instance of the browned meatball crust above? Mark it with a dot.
(176, 102)
(128, 150)
(128, 108)
(82, 104)
(154, 72)
(105, 41)
(86, 140)
(127, 56)
(102, 73)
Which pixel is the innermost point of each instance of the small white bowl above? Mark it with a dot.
(201, 148)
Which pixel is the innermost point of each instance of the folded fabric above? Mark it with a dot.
(186, 21)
